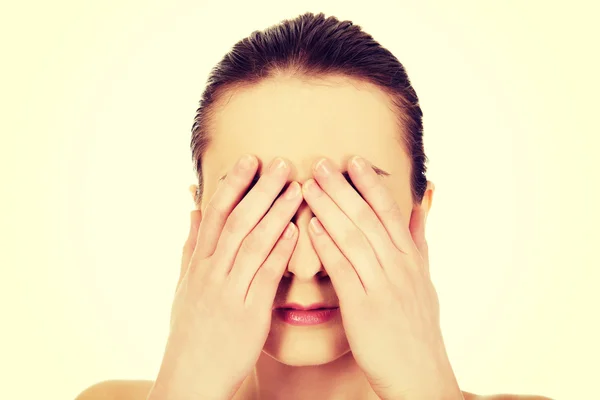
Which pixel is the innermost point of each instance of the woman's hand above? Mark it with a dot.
(380, 272)
(221, 313)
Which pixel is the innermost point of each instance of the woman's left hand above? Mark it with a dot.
(380, 272)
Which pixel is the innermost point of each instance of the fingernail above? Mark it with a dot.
(323, 167)
(358, 163)
(289, 231)
(247, 161)
(316, 226)
(277, 165)
(292, 191)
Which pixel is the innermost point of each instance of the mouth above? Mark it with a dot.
(299, 315)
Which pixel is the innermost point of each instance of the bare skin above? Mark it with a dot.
(301, 120)
(138, 390)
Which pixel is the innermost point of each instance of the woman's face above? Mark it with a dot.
(302, 120)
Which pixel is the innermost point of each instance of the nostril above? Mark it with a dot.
(287, 274)
(322, 274)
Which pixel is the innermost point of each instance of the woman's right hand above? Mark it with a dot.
(231, 268)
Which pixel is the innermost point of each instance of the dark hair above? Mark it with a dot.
(314, 46)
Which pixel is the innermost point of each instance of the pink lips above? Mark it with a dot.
(295, 314)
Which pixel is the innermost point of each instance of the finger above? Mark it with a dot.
(356, 208)
(224, 200)
(349, 239)
(378, 196)
(346, 282)
(249, 212)
(256, 247)
(263, 288)
(190, 243)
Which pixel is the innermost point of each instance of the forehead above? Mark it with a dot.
(301, 120)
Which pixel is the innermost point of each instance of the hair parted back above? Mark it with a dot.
(314, 46)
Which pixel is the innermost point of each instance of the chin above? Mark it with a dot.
(301, 346)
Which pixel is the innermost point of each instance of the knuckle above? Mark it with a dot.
(210, 279)
(339, 263)
(354, 239)
(236, 179)
(263, 187)
(393, 211)
(260, 230)
(366, 217)
(281, 251)
(269, 188)
(215, 210)
(263, 195)
(251, 244)
(235, 223)
(194, 267)
(269, 273)
(228, 295)
(279, 256)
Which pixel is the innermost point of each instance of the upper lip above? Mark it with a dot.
(314, 306)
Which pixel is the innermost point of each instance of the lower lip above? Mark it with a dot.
(306, 317)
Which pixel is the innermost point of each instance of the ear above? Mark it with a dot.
(418, 220)
(428, 198)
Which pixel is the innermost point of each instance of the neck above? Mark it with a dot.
(341, 379)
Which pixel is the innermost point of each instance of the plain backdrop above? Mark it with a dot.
(98, 100)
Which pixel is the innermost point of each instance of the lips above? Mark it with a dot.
(314, 314)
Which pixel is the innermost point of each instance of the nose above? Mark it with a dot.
(304, 264)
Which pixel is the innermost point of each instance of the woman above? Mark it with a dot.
(273, 303)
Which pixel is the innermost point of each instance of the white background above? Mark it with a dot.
(98, 100)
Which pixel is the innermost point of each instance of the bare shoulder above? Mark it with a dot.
(472, 396)
(117, 390)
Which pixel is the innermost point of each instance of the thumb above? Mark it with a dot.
(190, 243)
